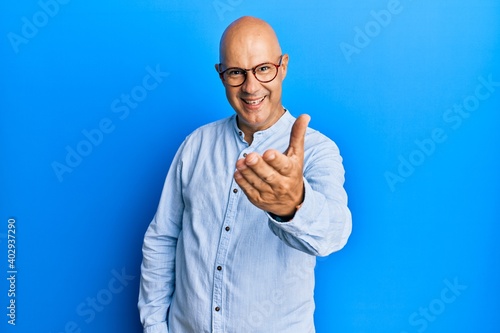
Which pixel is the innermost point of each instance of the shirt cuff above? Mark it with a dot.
(157, 328)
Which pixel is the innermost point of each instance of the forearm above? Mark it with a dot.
(159, 251)
(157, 279)
(323, 223)
(321, 226)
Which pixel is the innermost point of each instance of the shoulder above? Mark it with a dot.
(320, 151)
(314, 139)
(210, 130)
(317, 141)
(205, 137)
(316, 144)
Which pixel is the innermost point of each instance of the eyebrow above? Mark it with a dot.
(247, 69)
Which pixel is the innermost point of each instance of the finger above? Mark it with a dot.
(245, 186)
(296, 145)
(278, 161)
(256, 171)
(254, 192)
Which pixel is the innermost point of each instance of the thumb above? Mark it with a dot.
(296, 145)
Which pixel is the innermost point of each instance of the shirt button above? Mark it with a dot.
(235, 190)
(219, 268)
(217, 309)
(244, 154)
(227, 228)
(240, 133)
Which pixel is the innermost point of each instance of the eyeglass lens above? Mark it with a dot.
(264, 73)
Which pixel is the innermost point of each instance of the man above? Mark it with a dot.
(248, 203)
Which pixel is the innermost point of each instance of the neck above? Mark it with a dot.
(249, 132)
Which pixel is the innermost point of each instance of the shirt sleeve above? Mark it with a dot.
(159, 247)
(323, 223)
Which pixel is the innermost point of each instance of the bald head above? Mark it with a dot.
(248, 35)
(251, 43)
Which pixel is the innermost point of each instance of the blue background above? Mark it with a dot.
(422, 176)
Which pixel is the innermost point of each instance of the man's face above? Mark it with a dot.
(258, 105)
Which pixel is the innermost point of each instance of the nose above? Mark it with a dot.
(251, 84)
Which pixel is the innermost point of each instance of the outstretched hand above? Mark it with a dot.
(274, 181)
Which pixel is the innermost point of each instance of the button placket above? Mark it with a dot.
(220, 259)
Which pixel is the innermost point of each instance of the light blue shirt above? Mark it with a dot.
(213, 262)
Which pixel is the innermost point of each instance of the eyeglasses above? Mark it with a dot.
(264, 73)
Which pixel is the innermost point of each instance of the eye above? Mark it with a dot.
(263, 69)
(235, 72)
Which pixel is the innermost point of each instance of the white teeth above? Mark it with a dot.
(254, 102)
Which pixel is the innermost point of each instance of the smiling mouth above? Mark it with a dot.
(254, 101)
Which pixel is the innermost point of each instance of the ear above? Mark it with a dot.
(284, 66)
(217, 68)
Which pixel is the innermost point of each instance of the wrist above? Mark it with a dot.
(289, 217)
(285, 218)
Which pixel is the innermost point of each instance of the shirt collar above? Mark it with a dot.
(283, 124)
